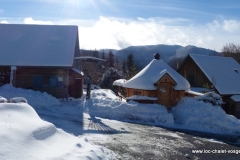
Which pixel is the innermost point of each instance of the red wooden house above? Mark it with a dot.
(41, 57)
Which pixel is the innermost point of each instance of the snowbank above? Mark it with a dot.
(211, 97)
(198, 115)
(119, 82)
(105, 104)
(3, 100)
(23, 135)
(103, 94)
(33, 97)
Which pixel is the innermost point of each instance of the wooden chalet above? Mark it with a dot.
(41, 57)
(157, 83)
(223, 73)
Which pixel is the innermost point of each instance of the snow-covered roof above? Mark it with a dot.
(155, 70)
(37, 45)
(119, 82)
(89, 57)
(194, 93)
(78, 71)
(223, 71)
(236, 98)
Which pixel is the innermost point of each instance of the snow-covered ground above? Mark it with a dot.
(190, 114)
(23, 134)
(105, 104)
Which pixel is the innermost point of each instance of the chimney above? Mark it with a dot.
(156, 56)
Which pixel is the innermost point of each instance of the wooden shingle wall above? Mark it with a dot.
(193, 74)
(150, 93)
(24, 79)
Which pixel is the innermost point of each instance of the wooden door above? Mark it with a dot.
(164, 94)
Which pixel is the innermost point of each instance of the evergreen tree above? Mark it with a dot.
(116, 64)
(124, 69)
(109, 77)
(130, 61)
(95, 53)
(131, 66)
(133, 70)
(103, 54)
(110, 59)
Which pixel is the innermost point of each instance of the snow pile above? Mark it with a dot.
(198, 115)
(119, 82)
(211, 97)
(103, 94)
(105, 104)
(18, 100)
(3, 100)
(24, 135)
(33, 97)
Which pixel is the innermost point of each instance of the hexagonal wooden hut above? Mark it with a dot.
(157, 83)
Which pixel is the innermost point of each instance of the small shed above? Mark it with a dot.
(157, 83)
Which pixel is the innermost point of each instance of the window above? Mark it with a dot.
(37, 81)
(136, 93)
(56, 81)
(53, 82)
(60, 82)
(163, 89)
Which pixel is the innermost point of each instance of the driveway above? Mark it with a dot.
(137, 141)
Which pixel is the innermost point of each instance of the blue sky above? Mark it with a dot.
(120, 23)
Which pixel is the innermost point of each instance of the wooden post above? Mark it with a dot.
(13, 75)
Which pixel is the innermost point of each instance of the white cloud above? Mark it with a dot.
(118, 33)
(4, 21)
(30, 20)
(231, 25)
(225, 25)
(110, 33)
(215, 25)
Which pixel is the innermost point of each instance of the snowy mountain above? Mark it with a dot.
(144, 54)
